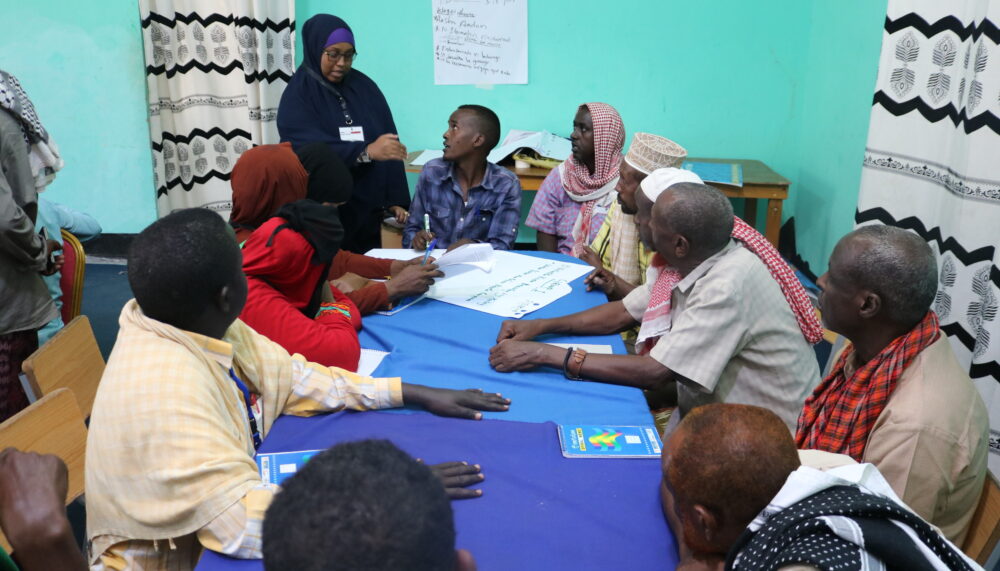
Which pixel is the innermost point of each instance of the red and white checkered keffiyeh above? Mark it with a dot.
(579, 183)
(656, 319)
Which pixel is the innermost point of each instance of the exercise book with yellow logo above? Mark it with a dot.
(609, 441)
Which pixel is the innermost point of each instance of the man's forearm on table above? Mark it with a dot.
(628, 370)
(642, 372)
(601, 320)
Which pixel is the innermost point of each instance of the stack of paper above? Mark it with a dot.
(542, 142)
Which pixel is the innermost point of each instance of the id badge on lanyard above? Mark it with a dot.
(352, 133)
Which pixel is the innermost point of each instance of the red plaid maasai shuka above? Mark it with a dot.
(841, 412)
(654, 319)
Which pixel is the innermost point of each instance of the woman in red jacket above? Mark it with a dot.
(352, 272)
(289, 300)
(269, 176)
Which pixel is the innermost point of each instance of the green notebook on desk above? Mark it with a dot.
(720, 173)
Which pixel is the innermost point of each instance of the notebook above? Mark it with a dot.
(609, 441)
(276, 467)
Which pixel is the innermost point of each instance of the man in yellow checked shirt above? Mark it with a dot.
(187, 396)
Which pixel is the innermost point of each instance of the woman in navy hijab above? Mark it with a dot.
(327, 100)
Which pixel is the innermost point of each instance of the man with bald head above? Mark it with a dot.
(736, 497)
(896, 396)
(714, 323)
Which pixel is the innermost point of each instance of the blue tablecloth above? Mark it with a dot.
(443, 345)
(538, 510)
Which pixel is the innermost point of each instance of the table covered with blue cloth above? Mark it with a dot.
(538, 510)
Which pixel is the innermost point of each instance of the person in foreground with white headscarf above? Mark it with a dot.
(715, 323)
(738, 497)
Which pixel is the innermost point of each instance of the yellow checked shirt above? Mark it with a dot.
(170, 465)
(618, 245)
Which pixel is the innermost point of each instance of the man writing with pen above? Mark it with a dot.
(462, 198)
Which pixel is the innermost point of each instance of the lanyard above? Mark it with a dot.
(329, 86)
(254, 433)
(343, 107)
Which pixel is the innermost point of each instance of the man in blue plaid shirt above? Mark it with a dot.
(462, 198)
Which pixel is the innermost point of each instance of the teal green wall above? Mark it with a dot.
(82, 65)
(788, 82)
(840, 70)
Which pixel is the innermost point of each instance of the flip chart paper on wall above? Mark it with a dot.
(480, 41)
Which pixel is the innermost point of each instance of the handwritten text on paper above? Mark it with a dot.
(480, 41)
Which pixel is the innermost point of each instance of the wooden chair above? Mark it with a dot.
(71, 278)
(984, 530)
(51, 425)
(392, 236)
(71, 359)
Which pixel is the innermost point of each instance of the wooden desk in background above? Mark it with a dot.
(759, 183)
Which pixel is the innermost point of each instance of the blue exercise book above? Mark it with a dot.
(609, 441)
(277, 466)
(721, 173)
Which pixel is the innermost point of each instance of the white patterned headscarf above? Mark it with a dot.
(43, 154)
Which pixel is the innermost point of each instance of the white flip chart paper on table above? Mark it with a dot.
(515, 286)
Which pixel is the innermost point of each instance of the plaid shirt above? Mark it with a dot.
(843, 408)
(168, 451)
(491, 214)
(554, 212)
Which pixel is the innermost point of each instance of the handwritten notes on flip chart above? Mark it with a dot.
(480, 41)
(516, 286)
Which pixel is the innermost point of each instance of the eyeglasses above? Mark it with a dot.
(334, 55)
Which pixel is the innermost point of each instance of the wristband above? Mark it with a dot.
(334, 308)
(569, 352)
(574, 364)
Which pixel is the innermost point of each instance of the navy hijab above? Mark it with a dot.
(310, 111)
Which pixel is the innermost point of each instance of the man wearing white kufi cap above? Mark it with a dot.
(719, 320)
(617, 248)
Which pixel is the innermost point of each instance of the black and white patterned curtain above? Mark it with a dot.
(215, 71)
(932, 165)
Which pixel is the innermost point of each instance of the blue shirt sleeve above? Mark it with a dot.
(80, 224)
(503, 230)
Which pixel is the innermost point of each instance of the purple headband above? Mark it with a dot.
(339, 35)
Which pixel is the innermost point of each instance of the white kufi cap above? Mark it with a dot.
(662, 179)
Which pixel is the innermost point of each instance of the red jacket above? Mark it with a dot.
(281, 280)
(370, 298)
(373, 296)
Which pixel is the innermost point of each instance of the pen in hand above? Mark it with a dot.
(427, 254)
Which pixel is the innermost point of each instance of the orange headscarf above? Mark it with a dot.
(264, 179)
